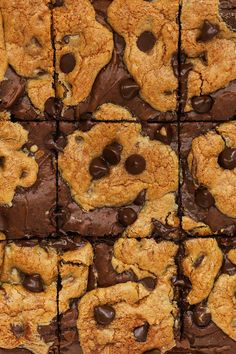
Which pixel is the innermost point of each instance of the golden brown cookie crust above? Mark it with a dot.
(153, 70)
(90, 42)
(160, 177)
(16, 168)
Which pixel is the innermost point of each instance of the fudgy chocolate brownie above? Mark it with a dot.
(26, 58)
(28, 298)
(209, 298)
(27, 179)
(118, 178)
(119, 52)
(119, 292)
(208, 70)
(208, 191)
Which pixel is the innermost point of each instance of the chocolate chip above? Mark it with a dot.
(33, 282)
(129, 89)
(104, 314)
(182, 281)
(149, 282)
(140, 199)
(141, 332)
(146, 41)
(98, 168)
(59, 3)
(18, 330)
(2, 161)
(86, 116)
(135, 164)
(208, 31)
(228, 267)
(202, 104)
(152, 351)
(127, 216)
(198, 261)
(111, 153)
(166, 139)
(67, 63)
(69, 114)
(203, 198)
(86, 125)
(227, 158)
(228, 13)
(53, 107)
(11, 89)
(201, 316)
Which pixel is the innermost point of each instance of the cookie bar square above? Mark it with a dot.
(208, 72)
(118, 179)
(26, 52)
(27, 179)
(208, 190)
(121, 292)
(28, 298)
(117, 52)
(209, 298)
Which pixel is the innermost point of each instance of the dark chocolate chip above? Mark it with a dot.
(203, 198)
(141, 332)
(227, 158)
(33, 282)
(104, 314)
(69, 114)
(201, 316)
(146, 41)
(67, 63)
(128, 89)
(111, 153)
(59, 3)
(2, 161)
(65, 243)
(149, 282)
(141, 197)
(98, 168)
(11, 89)
(198, 261)
(202, 104)
(53, 107)
(228, 13)
(135, 164)
(208, 31)
(153, 351)
(86, 125)
(127, 216)
(18, 330)
(181, 281)
(86, 116)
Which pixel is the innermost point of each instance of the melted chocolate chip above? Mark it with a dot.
(227, 158)
(182, 281)
(228, 13)
(11, 89)
(201, 316)
(67, 63)
(152, 351)
(146, 41)
(86, 125)
(33, 282)
(53, 107)
(59, 3)
(18, 330)
(127, 216)
(135, 164)
(104, 314)
(2, 161)
(208, 31)
(228, 267)
(149, 282)
(128, 89)
(198, 261)
(111, 153)
(65, 243)
(203, 198)
(166, 139)
(202, 104)
(140, 199)
(98, 168)
(141, 332)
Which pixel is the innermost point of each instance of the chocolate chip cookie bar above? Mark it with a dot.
(28, 298)
(122, 293)
(208, 191)
(208, 71)
(119, 52)
(118, 178)
(209, 295)
(26, 52)
(27, 179)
